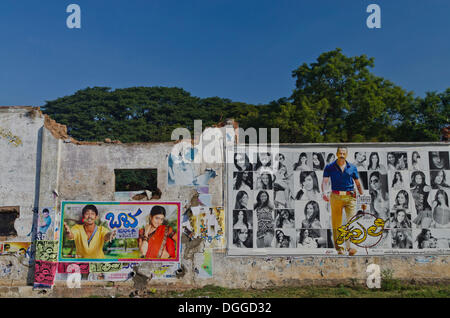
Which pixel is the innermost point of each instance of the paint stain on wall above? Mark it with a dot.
(8, 135)
(424, 259)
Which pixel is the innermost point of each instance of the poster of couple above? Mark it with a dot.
(119, 231)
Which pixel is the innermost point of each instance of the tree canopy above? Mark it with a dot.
(336, 99)
(136, 114)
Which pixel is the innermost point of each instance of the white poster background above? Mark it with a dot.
(384, 246)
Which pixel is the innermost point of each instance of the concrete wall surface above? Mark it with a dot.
(41, 170)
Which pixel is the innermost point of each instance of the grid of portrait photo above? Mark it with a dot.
(276, 202)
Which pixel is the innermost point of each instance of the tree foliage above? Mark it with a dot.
(135, 179)
(424, 119)
(137, 114)
(344, 101)
(336, 99)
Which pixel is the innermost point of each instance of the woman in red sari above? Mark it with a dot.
(157, 240)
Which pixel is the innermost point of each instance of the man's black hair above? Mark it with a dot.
(342, 147)
(89, 207)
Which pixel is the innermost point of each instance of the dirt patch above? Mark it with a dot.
(191, 247)
(194, 200)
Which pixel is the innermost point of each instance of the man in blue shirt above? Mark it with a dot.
(343, 177)
(45, 224)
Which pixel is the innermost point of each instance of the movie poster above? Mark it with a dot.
(119, 232)
(276, 203)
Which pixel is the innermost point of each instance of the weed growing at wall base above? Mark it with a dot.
(398, 290)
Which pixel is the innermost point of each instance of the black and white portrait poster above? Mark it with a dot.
(277, 207)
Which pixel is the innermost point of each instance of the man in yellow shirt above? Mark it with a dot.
(89, 238)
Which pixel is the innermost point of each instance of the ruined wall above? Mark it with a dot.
(41, 169)
(20, 158)
(87, 174)
(20, 144)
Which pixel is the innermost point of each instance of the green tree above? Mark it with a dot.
(338, 99)
(425, 118)
(137, 114)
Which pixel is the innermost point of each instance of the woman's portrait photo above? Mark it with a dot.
(438, 160)
(309, 186)
(243, 180)
(397, 160)
(398, 180)
(391, 161)
(318, 161)
(331, 157)
(283, 188)
(264, 161)
(283, 160)
(375, 163)
(417, 161)
(242, 238)
(284, 219)
(310, 238)
(283, 240)
(426, 240)
(401, 238)
(439, 179)
(157, 239)
(265, 219)
(242, 201)
(420, 192)
(310, 215)
(242, 162)
(264, 180)
(441, 210)
(242, 219)
(379, 194)
(361, 160)
(401, 200)
(303, 163)
(400, 219)
(264, 200)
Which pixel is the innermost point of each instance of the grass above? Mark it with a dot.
(390, 289)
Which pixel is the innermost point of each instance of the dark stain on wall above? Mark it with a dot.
(8, 216)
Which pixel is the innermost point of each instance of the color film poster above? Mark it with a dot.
(119, 231)
(16, 248)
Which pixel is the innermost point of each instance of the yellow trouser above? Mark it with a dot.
(337, 203)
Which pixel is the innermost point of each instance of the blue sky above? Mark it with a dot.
(242, 50)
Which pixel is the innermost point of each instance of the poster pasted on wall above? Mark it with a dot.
(46, 224)
(46, 263)
(47, 250)
(276, 203)
(119, 231)
(16, 248)
(44, 274)
(203, 264)
(95, 271)
(92, 272)
(207, 223)
(181, 167)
